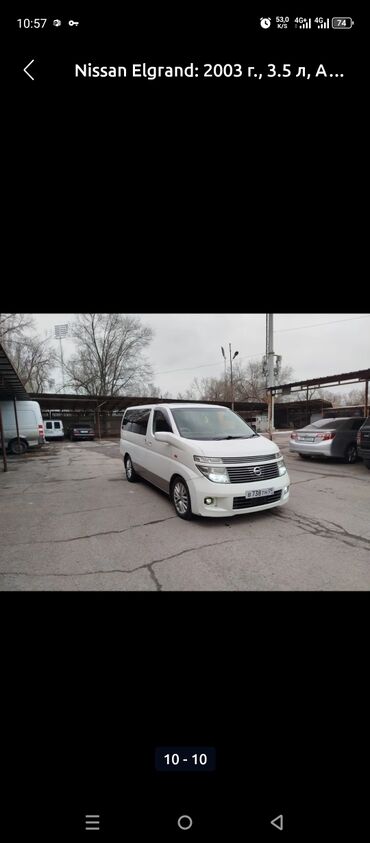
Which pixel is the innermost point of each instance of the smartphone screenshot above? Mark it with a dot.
(184, 484)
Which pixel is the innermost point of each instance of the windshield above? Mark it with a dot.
(211, 423)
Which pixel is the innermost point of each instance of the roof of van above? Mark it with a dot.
(181, 404)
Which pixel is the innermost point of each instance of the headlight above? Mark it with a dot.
(208, 460)
(211, 468)
(282, 467)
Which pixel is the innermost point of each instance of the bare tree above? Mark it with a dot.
(336, 398)
(206, 389)
(31, 355)
(109, 359)
(33, 358)
(249, 384)
(356, 396)
(13, 326)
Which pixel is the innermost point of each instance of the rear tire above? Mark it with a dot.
(180, 497)
(305, 456)
(16, 449)
(350, 456)
(131, 475)
(367, 463)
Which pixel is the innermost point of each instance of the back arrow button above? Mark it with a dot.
(25, 69)
(278, 822)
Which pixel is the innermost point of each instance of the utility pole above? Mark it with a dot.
(270, 369)
(61, 331)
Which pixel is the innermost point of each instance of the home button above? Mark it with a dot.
(184, 822)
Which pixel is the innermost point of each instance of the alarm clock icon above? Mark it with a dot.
(265, 23)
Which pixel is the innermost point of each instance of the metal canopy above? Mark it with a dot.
(11, 385)
(109, 403)
(315, 383)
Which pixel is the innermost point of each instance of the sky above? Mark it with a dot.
(188, 345)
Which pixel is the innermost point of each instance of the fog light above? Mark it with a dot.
(209, 501)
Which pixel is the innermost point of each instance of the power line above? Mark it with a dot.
(204, 365)
(318, 324)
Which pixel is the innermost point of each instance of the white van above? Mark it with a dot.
(30, 424)
(205, 457)
(54, 429)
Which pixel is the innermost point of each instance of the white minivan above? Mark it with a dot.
(54, 429)
(205, 457)
(30, 424)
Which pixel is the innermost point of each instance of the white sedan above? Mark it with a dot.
(327, 438)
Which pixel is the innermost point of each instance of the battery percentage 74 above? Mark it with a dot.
(341, 23)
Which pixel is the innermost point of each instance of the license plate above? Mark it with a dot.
(306, 438)
(259, 493)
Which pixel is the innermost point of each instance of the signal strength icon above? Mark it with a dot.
(306, 24)
(325, 25)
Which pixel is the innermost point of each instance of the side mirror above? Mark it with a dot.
(164, 437)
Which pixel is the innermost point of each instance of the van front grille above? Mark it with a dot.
(253, 474)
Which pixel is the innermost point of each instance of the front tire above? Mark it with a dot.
(351, 454)
(305, 456)
(131, 475)
(180, 497)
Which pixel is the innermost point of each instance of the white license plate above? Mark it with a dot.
(306, 438)
(259, 493)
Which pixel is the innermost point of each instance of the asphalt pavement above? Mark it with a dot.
(71, 522)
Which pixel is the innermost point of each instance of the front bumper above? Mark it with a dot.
(223, 495)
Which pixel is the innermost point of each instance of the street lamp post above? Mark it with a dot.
(231, 372)
(225, 378)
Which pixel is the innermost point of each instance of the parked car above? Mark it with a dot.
(81, 431)
(207, 459)
(30, 424)
(54, 429)
(328, 438)
(363, 442)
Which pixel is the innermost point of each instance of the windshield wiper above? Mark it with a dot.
(235, 437)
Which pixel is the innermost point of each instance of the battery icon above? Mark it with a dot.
(341, 23)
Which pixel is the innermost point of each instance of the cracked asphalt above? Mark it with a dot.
(71, 522)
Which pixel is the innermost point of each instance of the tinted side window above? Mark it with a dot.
(140, 422)
(136, 421)
(127, 420)
(160, 423)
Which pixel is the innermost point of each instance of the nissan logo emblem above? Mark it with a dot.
(257, 470)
